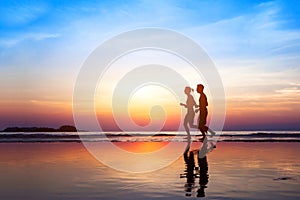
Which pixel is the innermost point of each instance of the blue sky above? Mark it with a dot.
(242, 28)
(254, 44)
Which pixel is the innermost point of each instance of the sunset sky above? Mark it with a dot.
(255, 46)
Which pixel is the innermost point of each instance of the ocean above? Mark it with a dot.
(225, 136)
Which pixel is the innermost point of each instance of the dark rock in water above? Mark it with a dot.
(283, 178)
(65, 128)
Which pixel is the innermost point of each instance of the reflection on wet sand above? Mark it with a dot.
(68, 171)
(196, 172)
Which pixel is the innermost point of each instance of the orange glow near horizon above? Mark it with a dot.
(141, 147)
(150, 105)
(239, 114)
(247, 112)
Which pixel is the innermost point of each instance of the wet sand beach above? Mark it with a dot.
(67, 171)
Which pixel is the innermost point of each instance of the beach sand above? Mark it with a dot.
(67, 171)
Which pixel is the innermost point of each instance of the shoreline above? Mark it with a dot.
(221, 141)
(77, 137)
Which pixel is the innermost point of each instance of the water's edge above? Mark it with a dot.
(226, 136)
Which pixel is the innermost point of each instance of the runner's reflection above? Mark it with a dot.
(194, 171)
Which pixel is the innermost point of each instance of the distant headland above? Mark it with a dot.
(64, 128)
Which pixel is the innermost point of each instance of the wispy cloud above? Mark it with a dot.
(9, 42)
(293, 90)
(252, 35)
